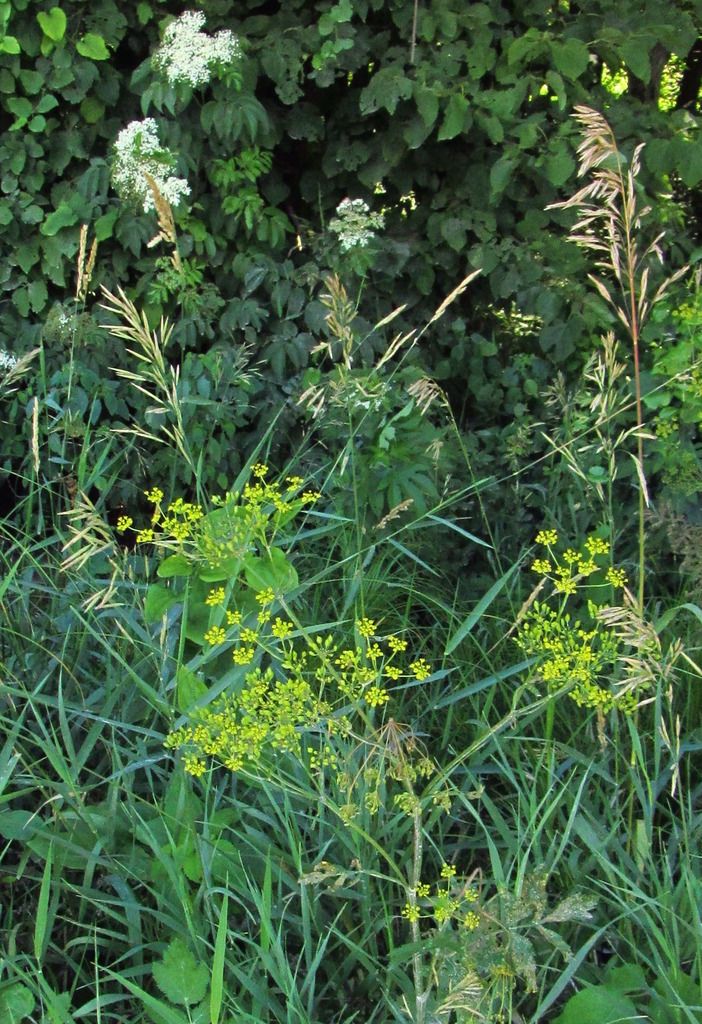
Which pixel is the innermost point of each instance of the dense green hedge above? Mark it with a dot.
(452, 117)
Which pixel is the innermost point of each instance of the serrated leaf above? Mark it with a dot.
(385, 90)
(179, 976)
(454, 119)
(53, 24)
(93, 47)
(189, 688)
(174, 565)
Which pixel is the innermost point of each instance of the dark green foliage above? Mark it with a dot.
(457, 127)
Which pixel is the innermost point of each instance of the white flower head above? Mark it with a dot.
(188, 55)
(7, 362)
(355, 224)
(138, 152)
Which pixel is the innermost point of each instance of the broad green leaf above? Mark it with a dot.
(16, 1003)
(454, 118)
(501, 173)
(189, 688)
(158, 601)
(18, 824)
(105, 224)
(385, 90)
(636, 56)
(270, 570)
(599, 1005)
(559, 167)
(92, 110)
(53, 24)
(427, 104)
(179, 976)
(9, 44)
(38, 294)
(174, 565)
(92, 46)
(571, 57)
(64, 217)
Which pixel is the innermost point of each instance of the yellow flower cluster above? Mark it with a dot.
(236, 525)
(273, 709)
(573, 566)
(573, 656)
(444, 902)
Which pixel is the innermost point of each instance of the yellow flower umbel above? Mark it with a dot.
(570, 655)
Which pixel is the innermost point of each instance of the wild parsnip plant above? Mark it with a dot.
(269, 755)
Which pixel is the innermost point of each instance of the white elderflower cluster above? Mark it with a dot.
(7, 362)
(138, 152)
(188, 55)
(354, 223)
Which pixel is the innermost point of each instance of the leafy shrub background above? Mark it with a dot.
(456, 123)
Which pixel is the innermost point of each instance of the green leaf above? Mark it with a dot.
(53, 24)
(189, 688)
(42, 911)
(181, 979)
(427, 104)
(217, 985)
(9, 44)
(385, 90)
(571, 57)
(501, 173)
(174, 565)
(18, 824)
(105, 224)
(46, 103)
(270, 570)
(93, 47)
(635, 54)
(599, 1005)
(158, 600)
(38, 294)
(144, 13)
(64, 217)
(92, 110)
(559, 167)
(16, 1003)
(32, 81)
(455, 117)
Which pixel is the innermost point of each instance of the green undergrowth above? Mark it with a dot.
(416, 824)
